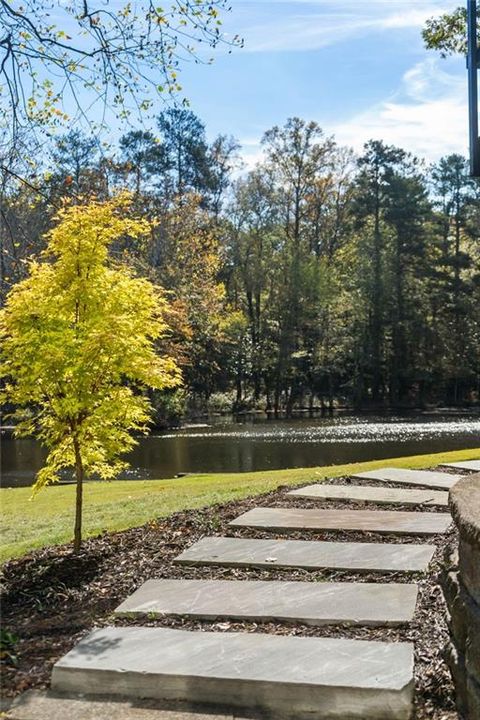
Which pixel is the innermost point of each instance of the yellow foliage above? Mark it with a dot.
(78, 342)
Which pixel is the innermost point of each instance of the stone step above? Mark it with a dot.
(422, 478)
(310, 603)
(473, 465)
(289, 677)
(46, 705)
(366, 493)
(308, 555)
(376, 521)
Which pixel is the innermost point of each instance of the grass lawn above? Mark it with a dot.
(108, 506)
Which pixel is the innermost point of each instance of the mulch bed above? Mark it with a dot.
(51, 598)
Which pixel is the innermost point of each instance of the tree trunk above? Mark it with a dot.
(268, 408)
(311, 402)
(330, 393)
(377, 310)
(459, 335)
(238, 383)
(77, 535)
(323, 408)
(290, 399)
(276, 400)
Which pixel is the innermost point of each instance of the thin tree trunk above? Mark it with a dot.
(311, 402)
(290, 399)
(77, 535)
(238, 383)
(330, 393)
(268, 408)
(459, 343)
(276, 401)
(377, 303)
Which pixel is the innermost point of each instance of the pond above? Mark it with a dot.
(261, 444)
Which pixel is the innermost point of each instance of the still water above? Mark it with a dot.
(261, 444)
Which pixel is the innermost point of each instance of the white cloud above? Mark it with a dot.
(428, 115)
(251, 153)
(310, 25)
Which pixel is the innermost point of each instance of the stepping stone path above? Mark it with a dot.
(385, 522)
(423, 478)
(379, 495)
(308, 603)
(308, 555)
(473, 465)
(324, 676)
(287, 676)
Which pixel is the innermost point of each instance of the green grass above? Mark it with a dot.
(48, 518)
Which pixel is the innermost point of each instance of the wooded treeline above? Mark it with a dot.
(317, 277)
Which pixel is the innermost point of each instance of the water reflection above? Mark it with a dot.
(259, 444)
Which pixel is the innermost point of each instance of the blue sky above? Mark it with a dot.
(358, 68)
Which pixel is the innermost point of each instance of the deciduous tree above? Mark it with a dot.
(78, 347)
(113, 54)
(447, 33)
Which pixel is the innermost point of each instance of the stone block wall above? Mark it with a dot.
(462, 594)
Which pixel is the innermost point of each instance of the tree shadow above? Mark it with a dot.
(50, 576)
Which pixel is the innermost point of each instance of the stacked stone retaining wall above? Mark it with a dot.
(462, 594)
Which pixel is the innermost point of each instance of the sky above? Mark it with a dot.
(356, 67)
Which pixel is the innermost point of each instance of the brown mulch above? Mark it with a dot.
(51, 597)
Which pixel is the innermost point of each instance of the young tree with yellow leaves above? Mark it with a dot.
(78, 347)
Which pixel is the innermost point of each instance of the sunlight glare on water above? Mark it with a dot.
(256, 443)
(347, 431)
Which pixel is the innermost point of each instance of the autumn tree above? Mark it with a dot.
(299, 157)
(249, 273)
(321, 280)
(24, 218)
(188, 267)
(78, 347)
(289, 221)
(120, 56)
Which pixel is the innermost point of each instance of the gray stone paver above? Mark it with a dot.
(376, 521)
(422, 478)
(41, 705)
(294, 676)
(309, 555)
(473, 465)
(287, 677)
(309, 603)
(366, 493)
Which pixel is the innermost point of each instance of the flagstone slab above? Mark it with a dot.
(366, 493)
(287, 676)
(376, 521)
(309, 603)
(473, 465)
(308, 555)
(45, 705)
(423, 478)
